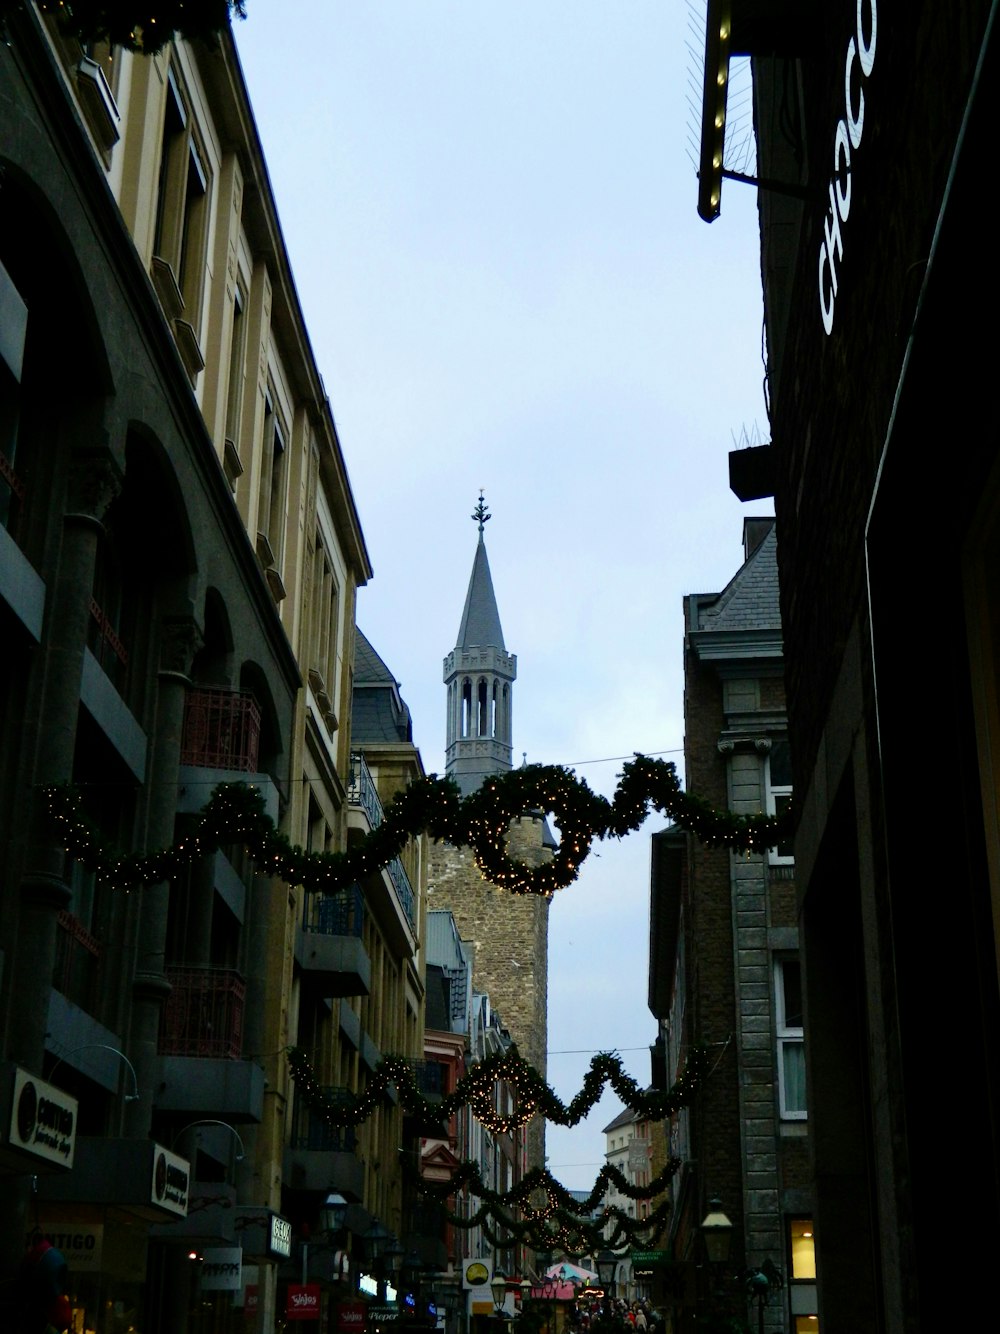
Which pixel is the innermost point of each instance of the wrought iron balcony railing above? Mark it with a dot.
(361, 790)
(221, 730)
(401, 884)
(310, 1131)
(203, 1015)
(340, 914)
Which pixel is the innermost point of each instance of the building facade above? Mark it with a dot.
(179, 558)
(873, 264)
(724, 963)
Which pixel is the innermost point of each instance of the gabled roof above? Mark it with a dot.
(625, 1117)
(750, 599)
(480, 626)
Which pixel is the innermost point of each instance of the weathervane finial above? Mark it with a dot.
(481, 515)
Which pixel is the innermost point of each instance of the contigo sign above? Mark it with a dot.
(171, 1181)
(847, 139)
(43, 1120)
(281, 1236)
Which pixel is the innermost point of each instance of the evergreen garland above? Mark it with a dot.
(145, 26)
(532, 1096)
(236, 814)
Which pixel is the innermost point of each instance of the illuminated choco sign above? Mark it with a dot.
(850, 131)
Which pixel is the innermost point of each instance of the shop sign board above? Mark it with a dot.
(648, 1257)
(81, 1244)
(171, 1181)
(251, 1300)
(281, 1236)
(477, 1274)
(222, 1269)
(42, 1120)
(302, 1302)
(350, 1317)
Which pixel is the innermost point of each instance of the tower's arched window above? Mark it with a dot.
(495, 709)
(466, 707)
(483, 709)
(505, 714)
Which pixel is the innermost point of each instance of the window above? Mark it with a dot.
(778, 789)
(273, 487)
(323, 632)
(13, 332)
(791, 1046)
(181, 204)
(802, 1275)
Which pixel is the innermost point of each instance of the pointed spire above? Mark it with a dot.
(480, 627)
(479, 674)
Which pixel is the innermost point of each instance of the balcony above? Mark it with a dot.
(78, 957)
(201, 1044)
(328, 944)
(320, 1156)
(221, 730)
(203, 1015)
(401, 884)
(362, 792)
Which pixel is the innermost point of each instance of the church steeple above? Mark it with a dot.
(479, 674)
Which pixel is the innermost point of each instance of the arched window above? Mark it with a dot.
(482, 722)
(466, 707)
(494, 709)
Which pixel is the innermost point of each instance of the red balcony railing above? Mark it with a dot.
(203, 1015)
(78, 957)
(221, 730)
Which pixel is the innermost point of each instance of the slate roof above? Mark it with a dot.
(378, 711)
(480, 626)
(750, 599)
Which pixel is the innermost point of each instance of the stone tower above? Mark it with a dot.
(507, 934)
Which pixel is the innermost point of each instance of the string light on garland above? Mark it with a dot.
(532, 1095)
(236, 814)
(143, 26)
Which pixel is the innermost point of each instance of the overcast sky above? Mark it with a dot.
(490, 215)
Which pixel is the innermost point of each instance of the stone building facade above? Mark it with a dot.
(724, 965)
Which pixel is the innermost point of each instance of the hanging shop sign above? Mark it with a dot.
(171, 1181)
(302, 1302)
(847, 140)
(251, 1301)
(42, 1120)
(222, 1269)
(477, 1273)
(281, 1236)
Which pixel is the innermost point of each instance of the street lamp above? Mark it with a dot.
(498, 1287)
(717, 1231)
(607, 1264)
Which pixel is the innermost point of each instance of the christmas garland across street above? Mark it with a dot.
(532, 1095)
(236, 814)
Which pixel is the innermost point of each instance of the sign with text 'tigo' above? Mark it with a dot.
(302, 1302)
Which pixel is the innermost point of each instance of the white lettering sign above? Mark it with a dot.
(43, 1120)
(847, 137)
(222, 1269)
